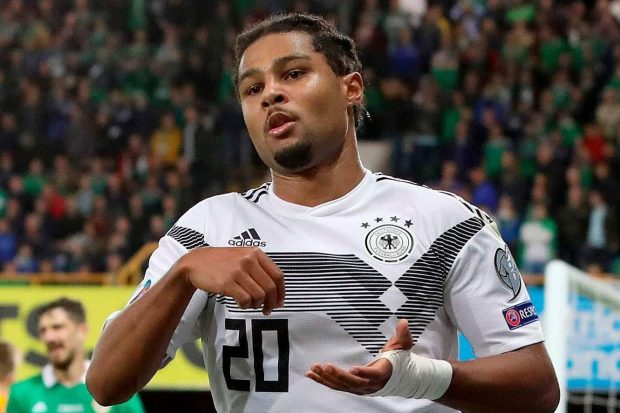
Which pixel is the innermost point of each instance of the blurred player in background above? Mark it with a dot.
(60, 387)
(353, 251)
(8, 361)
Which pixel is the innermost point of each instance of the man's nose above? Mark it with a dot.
(273, 95)
(272, 99)
(46, 336)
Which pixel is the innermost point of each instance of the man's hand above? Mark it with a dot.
(363, 379)
(247, 275)
(133, 345)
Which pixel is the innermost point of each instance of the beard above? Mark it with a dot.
(294, 157)
(63, 364)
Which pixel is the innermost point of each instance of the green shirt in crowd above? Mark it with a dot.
(44, 394)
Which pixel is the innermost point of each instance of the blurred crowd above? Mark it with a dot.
(117, 115)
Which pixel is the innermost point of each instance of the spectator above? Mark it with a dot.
(538, 237)
(602, 233)
(9, 137)
(607, 184)
(35, 180)
(8, 242)
(71, 221)
(201, 146)
(494, 150)
(396, 122)
(451, 116)
(449, 180)
(85, 196)
(426, 125)
(81, 138)
(509, 223)
(464, 151)
(139, 222)
(7, 167)
(572, 221)
(25, 262)
(404, 56)
(512, 183)
(166, 140)
(35, 235)
(594, 143)
(484, 193)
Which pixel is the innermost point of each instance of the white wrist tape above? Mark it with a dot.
(415, 376)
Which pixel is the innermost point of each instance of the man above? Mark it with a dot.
(353, 251)
(8, 361)
(60, 387)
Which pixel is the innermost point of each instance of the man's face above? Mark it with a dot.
(294, 105)
(63, 337)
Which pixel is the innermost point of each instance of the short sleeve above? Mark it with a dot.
(487, 300)
(184, 236)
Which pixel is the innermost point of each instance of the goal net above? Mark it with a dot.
(581, 322)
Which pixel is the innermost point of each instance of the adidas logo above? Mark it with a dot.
(249, 238)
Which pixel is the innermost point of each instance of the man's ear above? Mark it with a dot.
(84, 330)
(354, 88)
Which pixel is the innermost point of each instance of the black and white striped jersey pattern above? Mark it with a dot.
(189, 238)
(253, 195)
(423, 283)
(471, 208)
(382, 177)
(341, 286)
(348, 290)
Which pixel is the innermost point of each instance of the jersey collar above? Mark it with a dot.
(346, 201)
(50, 379)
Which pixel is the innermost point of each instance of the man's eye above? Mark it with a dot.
(294, 74)
(253, 90)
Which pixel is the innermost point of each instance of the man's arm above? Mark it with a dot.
(518, 381)
(133, 405)
(133, 345)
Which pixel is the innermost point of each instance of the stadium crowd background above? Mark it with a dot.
(118, 115)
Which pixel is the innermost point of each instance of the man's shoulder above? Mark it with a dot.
(28, 384)
(226, 198)
(406, 186)
(432, 200)
(199, 212)
(192, 225)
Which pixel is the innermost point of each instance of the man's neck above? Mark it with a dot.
(73, 374)
(323, 183)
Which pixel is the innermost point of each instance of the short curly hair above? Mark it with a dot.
(339, 49)
(74, 308)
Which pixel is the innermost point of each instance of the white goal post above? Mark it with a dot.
(562, 279)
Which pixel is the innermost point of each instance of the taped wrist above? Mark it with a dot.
(415, 376)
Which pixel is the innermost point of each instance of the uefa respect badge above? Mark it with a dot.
(520, 315)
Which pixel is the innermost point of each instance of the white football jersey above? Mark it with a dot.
(389, 249)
